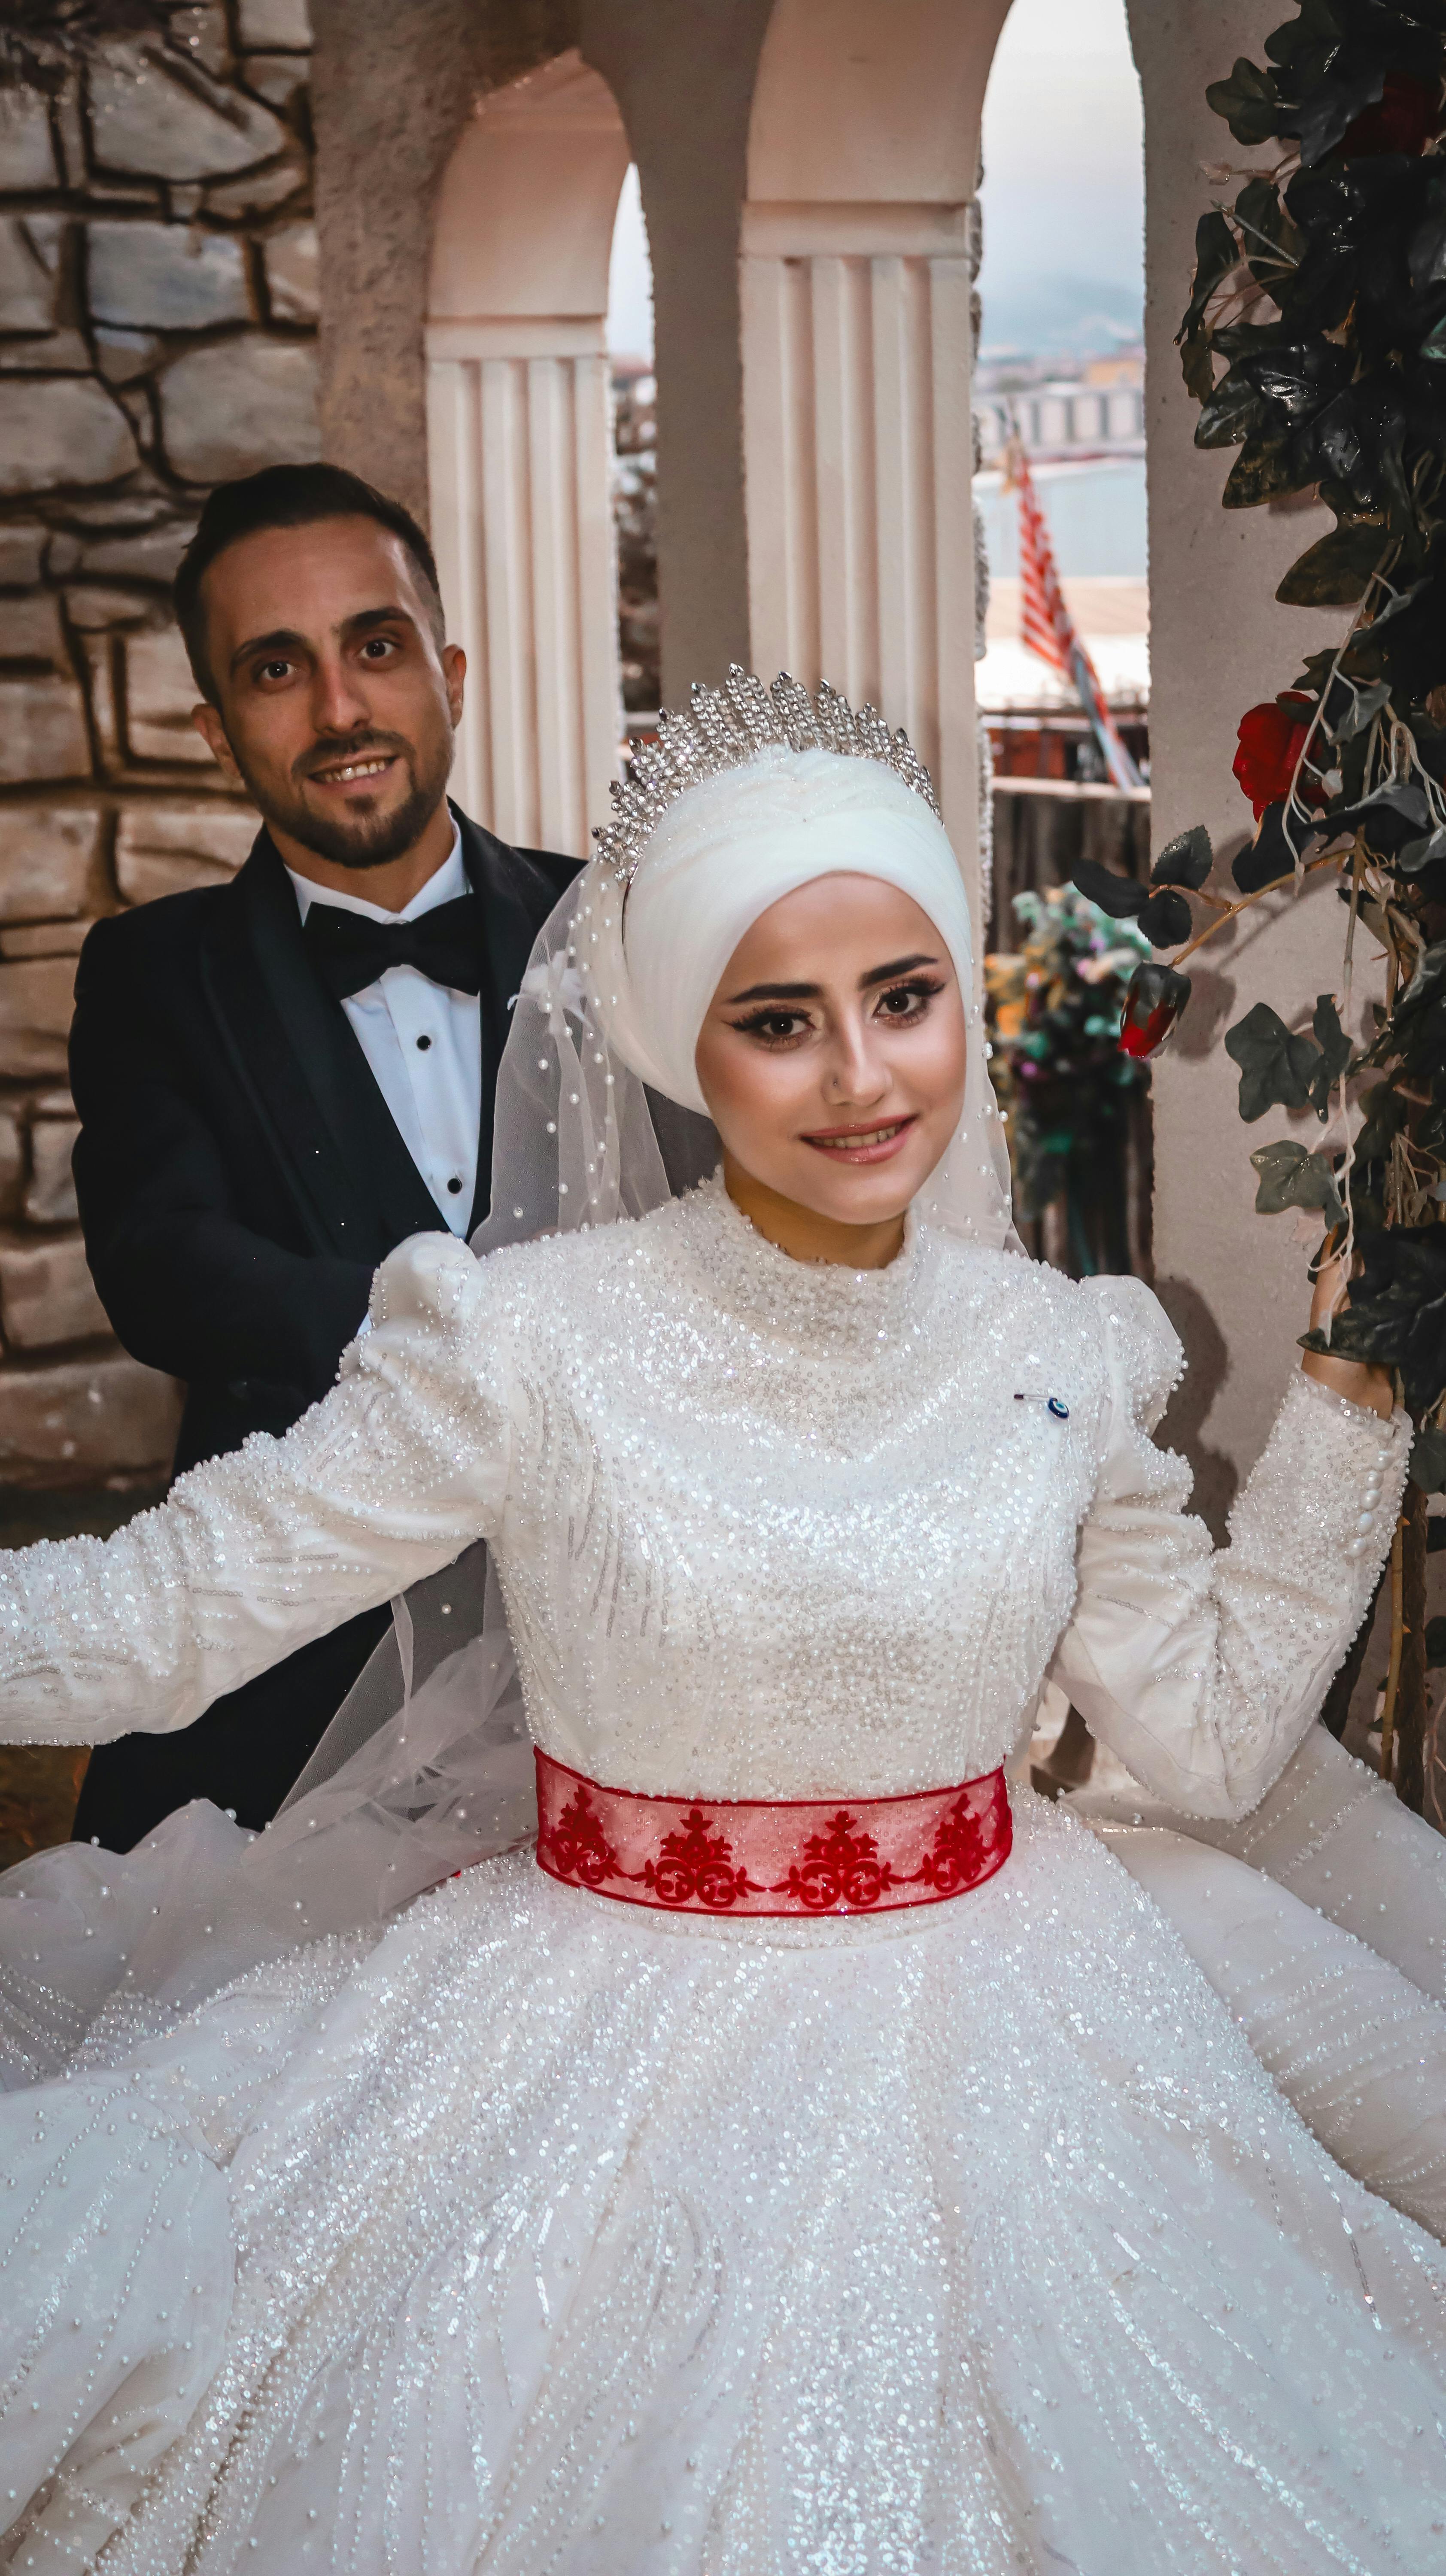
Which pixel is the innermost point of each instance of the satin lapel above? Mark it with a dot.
(508, 934)
(301, 1058)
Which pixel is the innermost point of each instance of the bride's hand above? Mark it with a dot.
(1352, 1378)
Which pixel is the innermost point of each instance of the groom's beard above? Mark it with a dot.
(363, 834)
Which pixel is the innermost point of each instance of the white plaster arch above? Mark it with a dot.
(520, 449)
(875, 101)
(859, 248)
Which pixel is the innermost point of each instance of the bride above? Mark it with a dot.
(794, 2148)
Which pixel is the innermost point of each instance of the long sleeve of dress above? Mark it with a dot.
(1203, 1669)
(387, 1479)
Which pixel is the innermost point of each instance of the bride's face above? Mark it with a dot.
(832, 1056)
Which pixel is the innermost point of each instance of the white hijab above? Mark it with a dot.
(724, 851)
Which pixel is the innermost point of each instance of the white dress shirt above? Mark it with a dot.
(423, 1043)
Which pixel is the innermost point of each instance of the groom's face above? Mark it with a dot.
(338, 700)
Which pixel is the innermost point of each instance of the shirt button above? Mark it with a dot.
(423, 1044)
(454, 1185)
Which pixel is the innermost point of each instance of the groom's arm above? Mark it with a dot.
(188, 1286)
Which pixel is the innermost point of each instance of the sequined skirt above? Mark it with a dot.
(550, 2233)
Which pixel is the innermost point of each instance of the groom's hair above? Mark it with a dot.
(286, 496)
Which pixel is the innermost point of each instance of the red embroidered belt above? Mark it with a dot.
(771, 1855)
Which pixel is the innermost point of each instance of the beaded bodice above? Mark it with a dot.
(765, 1531)
(776, 1530)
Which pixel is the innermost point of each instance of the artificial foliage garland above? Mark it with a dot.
(1315, 343)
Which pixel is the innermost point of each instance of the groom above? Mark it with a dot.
(282, 1078)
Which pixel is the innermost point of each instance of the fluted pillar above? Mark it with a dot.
(520, 452)
(521, 515)
(858, 255)
(858, 449)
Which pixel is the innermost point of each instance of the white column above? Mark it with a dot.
(858, 451)
(519, 428)
(520, 461)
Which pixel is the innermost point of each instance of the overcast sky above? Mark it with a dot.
(1063, 180)
(630, 279)
(1063, 194)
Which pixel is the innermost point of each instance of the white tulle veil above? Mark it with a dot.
(427, 1766)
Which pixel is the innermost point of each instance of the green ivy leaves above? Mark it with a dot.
(1290, 1177)
(1248, 101)
(1279, 1066)
(1215, 256)
(1315, 343)
(1333, 573)
(1159, 908)
(1275, 1067)
(1185, 861)
(1397, 1314)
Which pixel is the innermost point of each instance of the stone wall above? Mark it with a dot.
(158, 303)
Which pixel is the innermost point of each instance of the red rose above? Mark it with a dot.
(1407, 118)
(1272, 738)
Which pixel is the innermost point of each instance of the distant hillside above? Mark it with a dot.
(1047, 315)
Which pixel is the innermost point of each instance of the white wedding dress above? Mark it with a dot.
(537, 2232)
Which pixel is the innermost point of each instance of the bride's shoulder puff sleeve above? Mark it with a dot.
(387, 1479)
(1202, 1667)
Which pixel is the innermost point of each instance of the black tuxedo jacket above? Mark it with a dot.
(239, 1177)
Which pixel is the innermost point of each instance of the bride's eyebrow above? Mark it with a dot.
(900, 966)
(776, 993)
(813, 992)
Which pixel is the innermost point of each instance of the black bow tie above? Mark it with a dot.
(349, 952)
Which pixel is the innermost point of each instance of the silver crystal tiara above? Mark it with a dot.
(724, 729)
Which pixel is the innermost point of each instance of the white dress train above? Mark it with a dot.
(537, 2231)
(1320, 1920)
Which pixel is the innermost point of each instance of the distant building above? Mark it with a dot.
(1067, 414)
(1062, 407)
(1117, 367)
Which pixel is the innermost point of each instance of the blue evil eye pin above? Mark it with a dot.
(1054, 1404)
